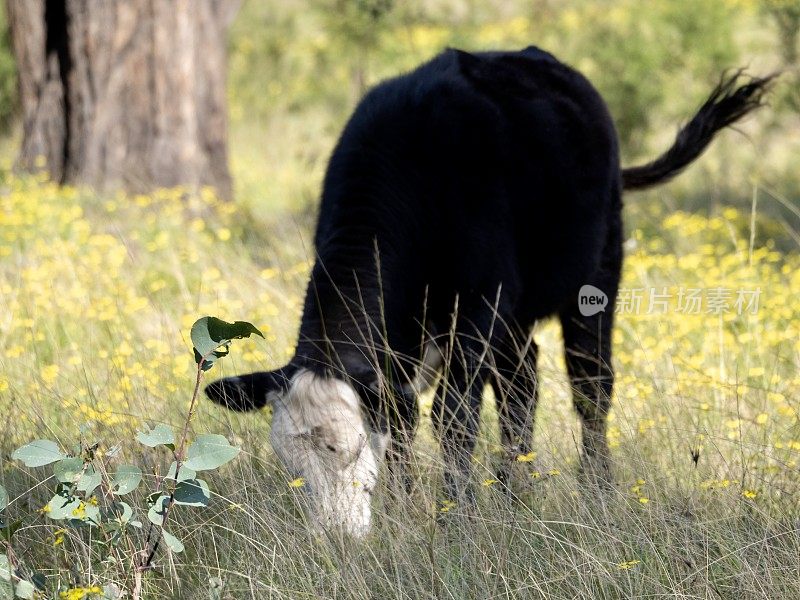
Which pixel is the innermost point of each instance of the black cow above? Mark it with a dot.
(464, 201)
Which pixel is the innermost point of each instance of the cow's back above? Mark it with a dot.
(475, 170)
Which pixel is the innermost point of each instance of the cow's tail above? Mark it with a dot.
(729, 102)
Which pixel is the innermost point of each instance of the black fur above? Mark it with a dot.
(248, 392)
(464, 201)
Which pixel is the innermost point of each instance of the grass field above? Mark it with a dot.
(98, 294)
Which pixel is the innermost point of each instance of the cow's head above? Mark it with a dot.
(320, 434)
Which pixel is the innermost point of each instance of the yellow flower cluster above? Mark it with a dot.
(718, 384)
(81, 593)
(99, 293)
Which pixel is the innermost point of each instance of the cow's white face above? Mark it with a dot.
(318, 432)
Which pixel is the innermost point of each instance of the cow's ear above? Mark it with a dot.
(249, 392)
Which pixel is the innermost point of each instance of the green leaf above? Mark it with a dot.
(68, 469)
(38, 453)
(5, 568)
(210, 451)
(39, 580)
(220, 330)
(185, 474)
(209, 333)
(159, 435)
(112, 592)
(210, 358)
(125, 512)
(91, 514)
(25, 589)
(174, 543)
(62, 507)
(126, 479)
(3, 497)
(89, 481)
(158, 510)
(193, 492)
(117, 511)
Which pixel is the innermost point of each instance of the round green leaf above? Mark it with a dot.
(185, 473)
(68, 469)
(24, 589)
(112, 592)
(193, 492)
(201, 338)
(210, 451)
(5, 568)
(126, 479)
(174, 543)
(158, 510)
(91, 514)
(3, 497)
(117, 511)
(38, 453)
(125, 513)
(61, 507)
(209, 333)
(89, 480)
(158, 435)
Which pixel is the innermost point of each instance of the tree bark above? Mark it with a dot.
(124, 93)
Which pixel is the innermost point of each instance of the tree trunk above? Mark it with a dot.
(124, 93)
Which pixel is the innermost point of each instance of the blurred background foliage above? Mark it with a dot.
(298, 68)
(8, 78)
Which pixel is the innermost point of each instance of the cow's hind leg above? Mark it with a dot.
(514, 382)
(588, 354)
(587, 346)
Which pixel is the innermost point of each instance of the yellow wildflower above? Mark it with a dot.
(49, 373)
(81, 593)
(80, 511)
(59, 537)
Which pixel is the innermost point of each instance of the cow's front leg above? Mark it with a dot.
(403, 425)
(456, 413)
